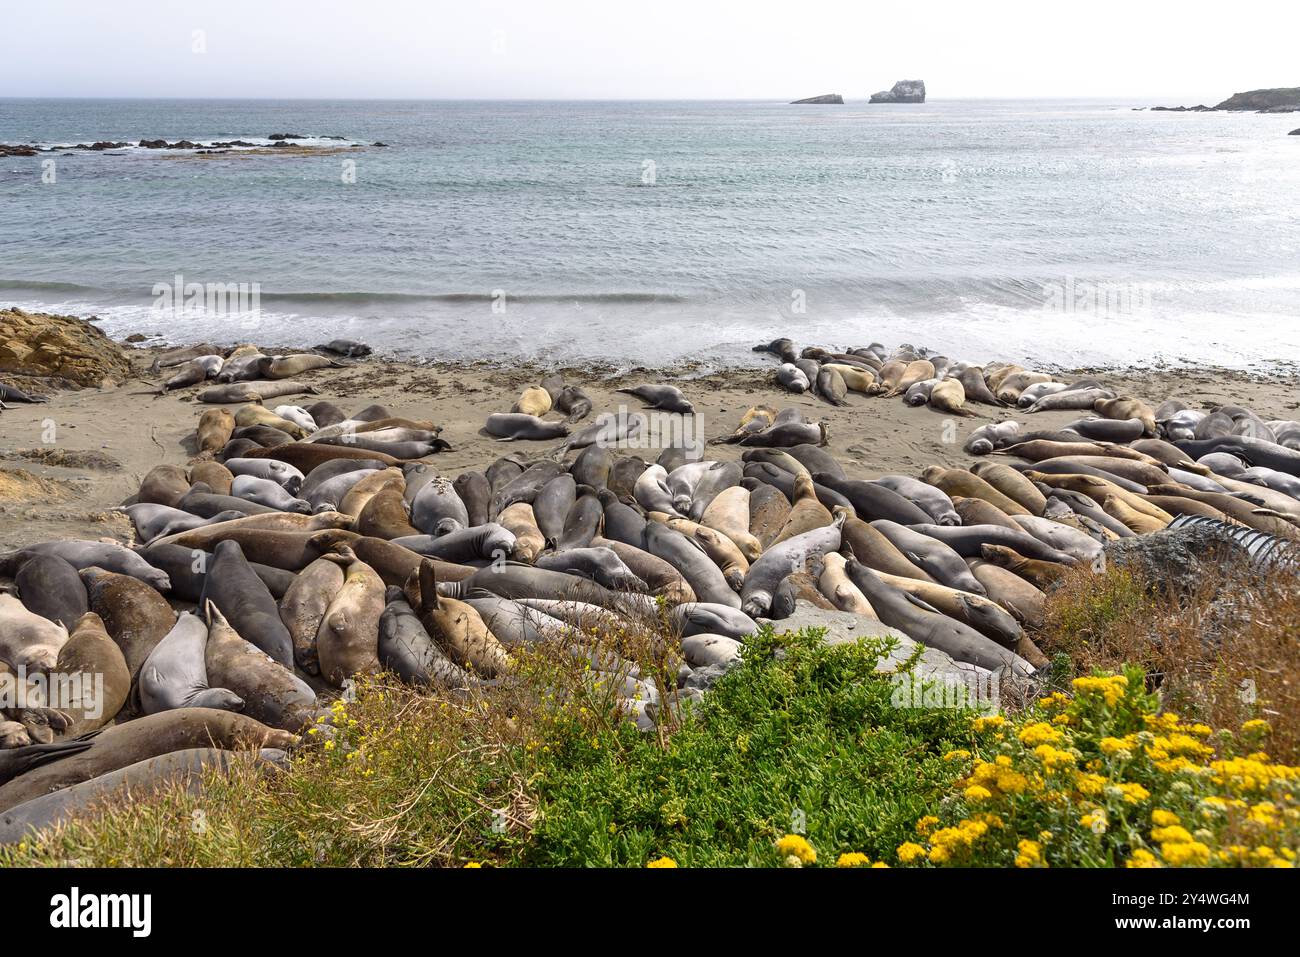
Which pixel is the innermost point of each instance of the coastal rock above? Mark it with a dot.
(286, 136)
(833, 99)
(1294, 133)
(17, 150)
(904, 91)
(59, 350)
(1276, 100)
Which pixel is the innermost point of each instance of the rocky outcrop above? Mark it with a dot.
(1294, 133)
(904, 91)
(830, 99)
(58, 351)
(1277, 100)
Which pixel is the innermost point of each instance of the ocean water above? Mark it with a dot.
(1064, 232)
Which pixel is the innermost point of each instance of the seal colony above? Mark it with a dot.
(304, 545)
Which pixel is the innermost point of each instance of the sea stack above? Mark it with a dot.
(829, 99)
(904, 91)
(1278, 100)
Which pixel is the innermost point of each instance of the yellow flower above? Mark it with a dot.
(792, 845)
(1095, 821)
(662, 862)
(1185, 854)
(1111, 688)
(1142, 858)
(926, 823)
(1040, 732)
(1172, 834)
(472, 864)
(1134, 793)
(939, 855)
(909, 852)
(977, 793)
(956, 755)
(852, 859)
(1257, 726)
(984, 724)
(1031, 853)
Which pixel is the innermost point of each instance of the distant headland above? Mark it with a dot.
(1276, 100)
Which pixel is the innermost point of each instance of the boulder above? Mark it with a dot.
(832, 99)
(904, 91)
(59, 350)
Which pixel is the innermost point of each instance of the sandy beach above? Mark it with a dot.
(66, 464)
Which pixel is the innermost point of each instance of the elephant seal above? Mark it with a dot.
(363, 491)
(1025, 602)
(728, 513)
(135, 616)
(479, 543)
(796, 587)
(175, 673)
(921, 623)
(236, 591)
(948, 395)
(792, 378)
(601, 565)
(833, 582)
(347, 642)
(306, 456)
(187, 768)
(105, 680)
(936, 557)
(1012, 484)
(768, 511)
(212, 474)
(592, 467)
(976, 511)
(252, 391)
(989, 437)
(202, 501)
(872, 501)
(582, 523)
(329, 495)
(407, 650)
(325, 472)
(147, 737)
(384, 516)
(16, 762)
(284, 367)
(1076, 400)
(520, 522)
(969, 485)
(510, 426)
(214, 430)
(1062, 537)
(659, 576)
(50, 587)
(574, 403)
(304, 606)
(272, 694)
(266, 492)
(163, 485)
(975, 611)
(937, 505)
(437, 509)
(551, 506)
(28, 640)
(918, 393)
(534, 401)
(9, 393)
(780, 560)
(831, 386)
(521, 487)
(699, 618)
(1126, 407)
(1042, 575)
(652, 492)
(1108, 430)
(690, 560)
(966, 541)
(806, 513)
(669, 398)
(298, 416)
(873, 549)
(974, 387)
(281, 473)
(787, 434)
(716, 480)
(459, 629)
(473, 489)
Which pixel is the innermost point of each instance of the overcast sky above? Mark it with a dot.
(651, 49)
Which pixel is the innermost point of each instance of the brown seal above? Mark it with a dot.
(384, 516)
(104, 682)
(212, 474)
(164, 485)
(348, 640)
(135, 615)
(144, 738)
(213, 431)
(969, 485)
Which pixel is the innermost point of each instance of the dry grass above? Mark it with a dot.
(1227, 652)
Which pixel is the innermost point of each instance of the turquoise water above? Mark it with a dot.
(1063, 231)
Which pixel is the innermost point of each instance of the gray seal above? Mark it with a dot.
(479, 543)
(601, 565)
(175, 675)
(510, 426)
(437, 509)
(239, 594)
(50, 587)
(934, 557)
(934, 501)
(282, 473)
(777, 562)
(269, 493)
(666, 397)
(406, 649)
(967, 540)
(82, 555)
(704, 618)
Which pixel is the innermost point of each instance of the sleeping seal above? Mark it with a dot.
(175, 675)
(509, 426)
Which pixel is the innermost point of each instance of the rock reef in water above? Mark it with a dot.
(904, 91)
(833, 99)
(1276, 100)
